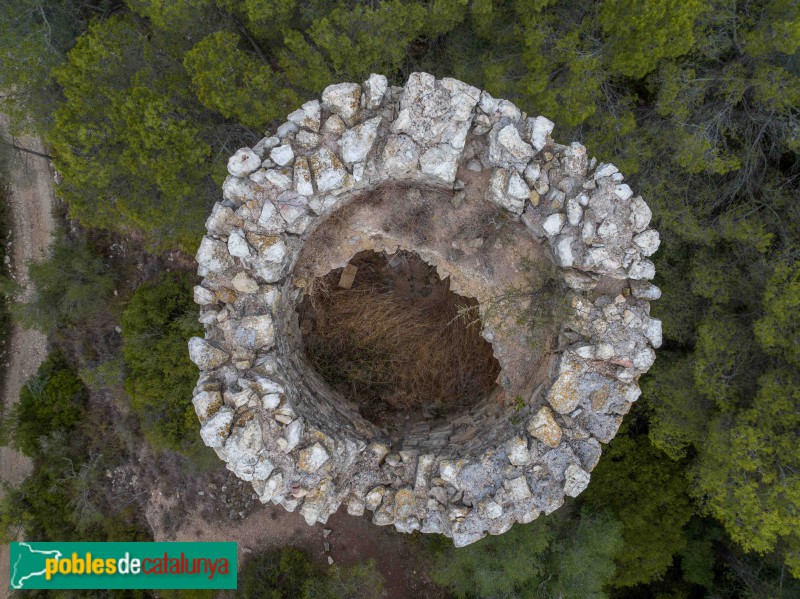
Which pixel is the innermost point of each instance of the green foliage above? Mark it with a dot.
(52, 401)
(647, 494)
(352, 40)
(496, 566)
(278, 574)
(358, 581)
(581, 565)
(697, 563)
(777, 29)
(267, 19)
(39, 506)
(749, 471)
(720, 359)
(778, 331)
(698, 559)
(236, 84)
(571, 94)
(109, 374)
(156, 326)
(65, 497)
(35, 38)
(678, 413)
(553, 556)
(130, 140)
(752, 576)
(172, 16)
(729, 314)
(361, 39)
(161, 148)
(184, 594)
(640, 34)
(148, 111)
(71, 285)
(287, 573)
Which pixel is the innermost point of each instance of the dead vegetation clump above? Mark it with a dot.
(539, 307)
(411, 210)
(398, 340)
(487, 223)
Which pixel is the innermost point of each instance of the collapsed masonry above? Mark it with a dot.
(295, 207)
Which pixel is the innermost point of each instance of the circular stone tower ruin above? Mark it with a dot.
(550, 247)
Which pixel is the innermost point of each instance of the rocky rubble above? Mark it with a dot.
(267, 418)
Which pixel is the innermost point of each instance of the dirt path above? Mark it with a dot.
(31, 202)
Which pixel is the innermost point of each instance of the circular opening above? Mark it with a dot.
(388, 334)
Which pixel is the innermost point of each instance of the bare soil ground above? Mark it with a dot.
(349, 540)
(31, 214)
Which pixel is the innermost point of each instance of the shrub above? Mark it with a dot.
(156, 326)
(53, 400)
(71, 285)
(278, 574)
(359, 581)
(287, 573)
(566, 554)
(66, 497)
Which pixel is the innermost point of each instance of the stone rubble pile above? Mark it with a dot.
(261, 412)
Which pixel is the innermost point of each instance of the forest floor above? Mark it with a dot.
(31, 201)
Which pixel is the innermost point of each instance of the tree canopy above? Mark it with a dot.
(158, 321)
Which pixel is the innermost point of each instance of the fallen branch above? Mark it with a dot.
(26, 150)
